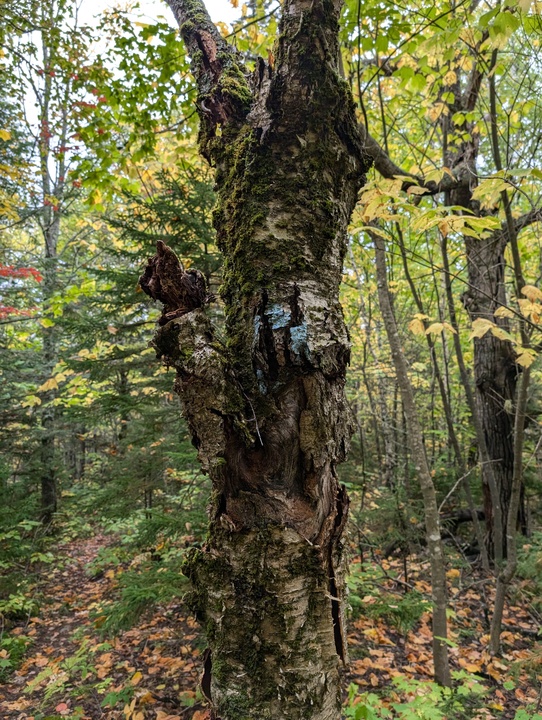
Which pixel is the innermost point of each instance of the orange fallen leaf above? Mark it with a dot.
(147, 698)
(201, 715)
(471, 667)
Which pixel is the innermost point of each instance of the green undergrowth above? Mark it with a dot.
(12, 652)
(139, 591)
(145, 562)
(24, 554)
(530, 570)
(401, 610)
(76, 677)
(411, 699)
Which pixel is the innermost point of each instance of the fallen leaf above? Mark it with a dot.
(136, 678)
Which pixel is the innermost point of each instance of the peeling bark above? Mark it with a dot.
(266, 409)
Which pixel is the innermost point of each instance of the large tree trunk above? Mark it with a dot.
(495, 377)
(267, 409)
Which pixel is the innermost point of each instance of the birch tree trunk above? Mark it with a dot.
(266, 408)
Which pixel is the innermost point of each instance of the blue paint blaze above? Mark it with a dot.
(278, 317)
(299, 341)
(261, 382)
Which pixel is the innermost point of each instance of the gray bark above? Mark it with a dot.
(419, 458)
(507, 572)
(266, 408)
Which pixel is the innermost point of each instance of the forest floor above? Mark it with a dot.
(151, 672)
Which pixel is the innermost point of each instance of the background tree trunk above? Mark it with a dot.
(495, 375)
(419, 458)
(267, 409)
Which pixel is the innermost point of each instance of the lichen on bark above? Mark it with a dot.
(266, 407)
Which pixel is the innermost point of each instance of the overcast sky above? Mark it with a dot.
(218, 9)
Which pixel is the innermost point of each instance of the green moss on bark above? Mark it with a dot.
(247, 623)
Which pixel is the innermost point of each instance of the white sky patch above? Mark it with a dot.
(219, 10)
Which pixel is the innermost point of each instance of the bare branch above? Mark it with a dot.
(224, 95)
(530, 218)
(388, 169)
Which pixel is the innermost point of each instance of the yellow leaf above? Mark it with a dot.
(531, 292)
(50, 384)
(480, 327)
(30, 401)
(526, 357)
(471, 667)
(439, 327)
(136, 678)
(449, 328)
(416, 190)
(500, 333)
(5, 135)
(95, 197)
(450, 78)
(46, 322)
(444, 228)
(147, 698)
(489, 190)
(435, 328)
(416, 326)
(437, 110)
(503, 312)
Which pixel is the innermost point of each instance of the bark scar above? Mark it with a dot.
(166, 280)
(335, 591)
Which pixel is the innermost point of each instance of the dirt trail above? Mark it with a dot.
(70, 671)
(151, 672)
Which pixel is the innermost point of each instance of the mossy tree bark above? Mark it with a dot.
(266, 408)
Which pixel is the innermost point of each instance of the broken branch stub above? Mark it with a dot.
(166, 280)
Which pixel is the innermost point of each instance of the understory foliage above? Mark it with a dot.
(128, 482)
